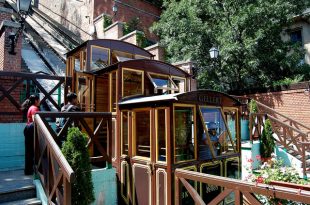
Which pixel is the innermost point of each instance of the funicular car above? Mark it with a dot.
(160, 124)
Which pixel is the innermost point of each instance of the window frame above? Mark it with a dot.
(166, 109)
(238, 131)
(182, 78)
(206, 129)
(156, 88)
(132, 70)
(134, 134)
(91, 55)
(193, 106)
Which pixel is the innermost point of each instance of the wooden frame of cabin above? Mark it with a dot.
(155, 184)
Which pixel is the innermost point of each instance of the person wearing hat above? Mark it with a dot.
(204, 148)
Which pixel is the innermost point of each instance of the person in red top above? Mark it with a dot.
(31, 106)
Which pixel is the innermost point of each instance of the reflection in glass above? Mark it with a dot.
(161, 134)
(125, 132)
(162, 83)
(142, 133)
(132, 82)
(99, 57)
(119, 56)
(217, 134)
(184, 133)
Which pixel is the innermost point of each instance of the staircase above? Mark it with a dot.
(290, 135)
(17, 189)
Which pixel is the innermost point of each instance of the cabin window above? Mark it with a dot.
(77, 62)
(215, 134)
(232, 122)
(142, 133)
(119, 56)
(161, 134)
(83, 61)
(99, 57)
(162, 83)
(180, 83)
(184, 133)
(133, 81)
(124, 127)
(83, 93)
(113, 93)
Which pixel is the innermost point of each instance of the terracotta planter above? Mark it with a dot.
(291, 185)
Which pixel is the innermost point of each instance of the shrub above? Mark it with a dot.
(131, 25)
(253, 106)
(107, 21)
(76, 153)
(267, 143)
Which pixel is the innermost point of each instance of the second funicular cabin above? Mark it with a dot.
(160, 123)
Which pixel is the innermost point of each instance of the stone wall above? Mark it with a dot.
(129, 9)
(74, 15)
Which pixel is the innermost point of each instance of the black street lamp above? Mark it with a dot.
(23, 7)
(214, 52)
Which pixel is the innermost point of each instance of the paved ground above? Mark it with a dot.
(13, 180)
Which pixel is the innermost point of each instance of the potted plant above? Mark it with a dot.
(267, 142)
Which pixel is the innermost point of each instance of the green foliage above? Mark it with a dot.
(132, 25)
(288, 81)
(142, 41)
(267, 143)
(253, 106)
(76, 153)
(107, 21)
(247, 33)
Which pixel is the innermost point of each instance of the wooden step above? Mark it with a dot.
(31, 201)
(14, 186)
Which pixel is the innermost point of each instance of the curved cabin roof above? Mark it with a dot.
(113, 45)
(202, 97)
(147, 65)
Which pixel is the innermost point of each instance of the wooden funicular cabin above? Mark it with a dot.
(160, 124)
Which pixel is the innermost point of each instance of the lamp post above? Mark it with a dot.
(214, 52)
(23, 7)
(114, 8)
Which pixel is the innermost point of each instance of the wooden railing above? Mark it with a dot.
(293, 123)
(21, 83)
(288, 136)
(55, 173)
(241, 189)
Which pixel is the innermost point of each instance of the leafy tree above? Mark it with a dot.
(76, 153)
(247, 32)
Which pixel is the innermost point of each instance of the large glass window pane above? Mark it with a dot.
(142, 133)
(132, 82)
(217, 134)
(99, 57)
(231, 119)
(184, 133)
(125, 132)
(161, 132)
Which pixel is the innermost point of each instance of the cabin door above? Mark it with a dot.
(85, 91)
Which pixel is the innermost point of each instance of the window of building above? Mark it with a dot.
(142, 133)
(133, 81)
(99, 57)
(161, 134)
(215, 135)
(296, 36)
(184, 133)
(162, 83)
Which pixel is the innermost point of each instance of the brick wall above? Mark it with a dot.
(6, 105)
(292, 103)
